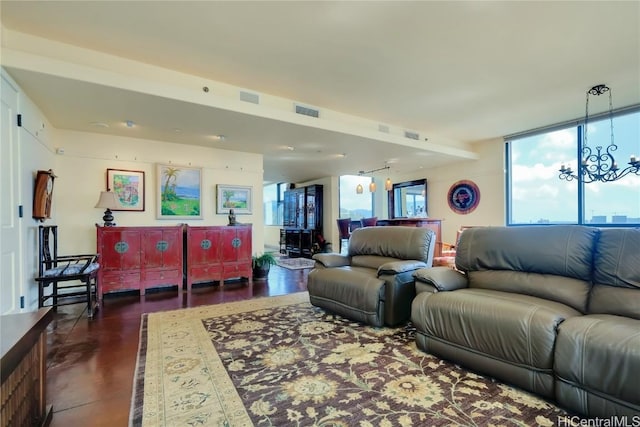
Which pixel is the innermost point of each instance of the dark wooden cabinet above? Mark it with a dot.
(216, 253)
(302, 220)
(23, 363)
(139, 258)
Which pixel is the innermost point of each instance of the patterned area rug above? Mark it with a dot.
(280, 362)
(296, 263)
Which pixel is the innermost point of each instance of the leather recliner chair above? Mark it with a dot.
(374, 283)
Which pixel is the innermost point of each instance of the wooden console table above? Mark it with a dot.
(433, 224)
(24, 369)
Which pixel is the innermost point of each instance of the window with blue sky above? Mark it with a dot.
(353, 205)
(536, 195)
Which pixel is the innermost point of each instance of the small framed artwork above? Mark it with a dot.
(233, 197)
(179, 192)
(463, 197)
(128, 187)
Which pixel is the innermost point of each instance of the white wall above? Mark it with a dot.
(35, 153)
(81, 172)
(81, 175)
(487, 173)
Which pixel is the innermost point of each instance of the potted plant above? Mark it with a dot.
(262, 264)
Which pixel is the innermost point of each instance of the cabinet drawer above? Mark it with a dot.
(120, 281)
(160, 276)
(237, 269)
(212, 271)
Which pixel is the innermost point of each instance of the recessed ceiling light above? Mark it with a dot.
(290, 148)
(219, 138)
(177, 130)
(129, 123)
(99, 124)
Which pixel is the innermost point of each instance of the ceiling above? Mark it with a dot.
(456, 72)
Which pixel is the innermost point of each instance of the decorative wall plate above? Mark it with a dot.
(463, 197)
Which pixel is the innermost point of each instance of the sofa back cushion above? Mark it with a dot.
(616, 278)
(402, 243)
(553, 262)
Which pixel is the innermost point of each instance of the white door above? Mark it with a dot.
(10, 253)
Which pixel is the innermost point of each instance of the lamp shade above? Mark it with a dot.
(372, 187)
(387, 185)
(107, 200)
(359, 189)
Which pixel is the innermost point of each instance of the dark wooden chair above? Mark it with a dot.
(73, 277)
(344, 230)
(369, 222)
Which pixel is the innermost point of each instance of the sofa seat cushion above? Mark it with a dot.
(352, 292)
(597, 358)
(508, 336)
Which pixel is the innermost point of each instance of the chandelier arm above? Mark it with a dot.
(601, 165)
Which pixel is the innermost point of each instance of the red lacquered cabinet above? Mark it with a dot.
(216, 253)
(139, 258)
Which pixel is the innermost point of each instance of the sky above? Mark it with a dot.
(538, 193)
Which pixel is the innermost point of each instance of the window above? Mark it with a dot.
(535, 194)
(273, 197)
(353, 205)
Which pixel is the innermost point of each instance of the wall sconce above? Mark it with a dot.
(108, 201)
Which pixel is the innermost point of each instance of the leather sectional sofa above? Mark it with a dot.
(552, 309)
(374, 283)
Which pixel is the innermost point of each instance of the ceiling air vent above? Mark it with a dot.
(411, 135)
(306, 111)
(253, 98)
(383, 128)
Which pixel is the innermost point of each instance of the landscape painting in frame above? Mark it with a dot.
(128, 187)
(179, 192)
(233, 197)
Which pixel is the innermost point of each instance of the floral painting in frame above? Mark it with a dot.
(128, 187)
(179, 192)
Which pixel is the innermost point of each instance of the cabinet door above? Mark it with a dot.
(244, 250)
(172, 254)
(162, 248)
(310, 208)
(236, 244)
(120, 250)
(203, 246)
(152, 247)
(300, 208)
(289, 212)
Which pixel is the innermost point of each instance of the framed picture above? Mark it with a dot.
(128, 187)
(179, 192)
(463, 197)
(233, 197)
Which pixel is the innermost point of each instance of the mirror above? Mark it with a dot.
(408, 199)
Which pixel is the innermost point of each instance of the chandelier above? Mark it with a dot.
(601, 165)
(372, 185)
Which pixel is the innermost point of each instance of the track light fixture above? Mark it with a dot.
(372, 185)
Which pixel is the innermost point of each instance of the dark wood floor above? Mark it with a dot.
(91, 362)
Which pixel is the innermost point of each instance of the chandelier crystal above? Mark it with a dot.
(601, 165)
